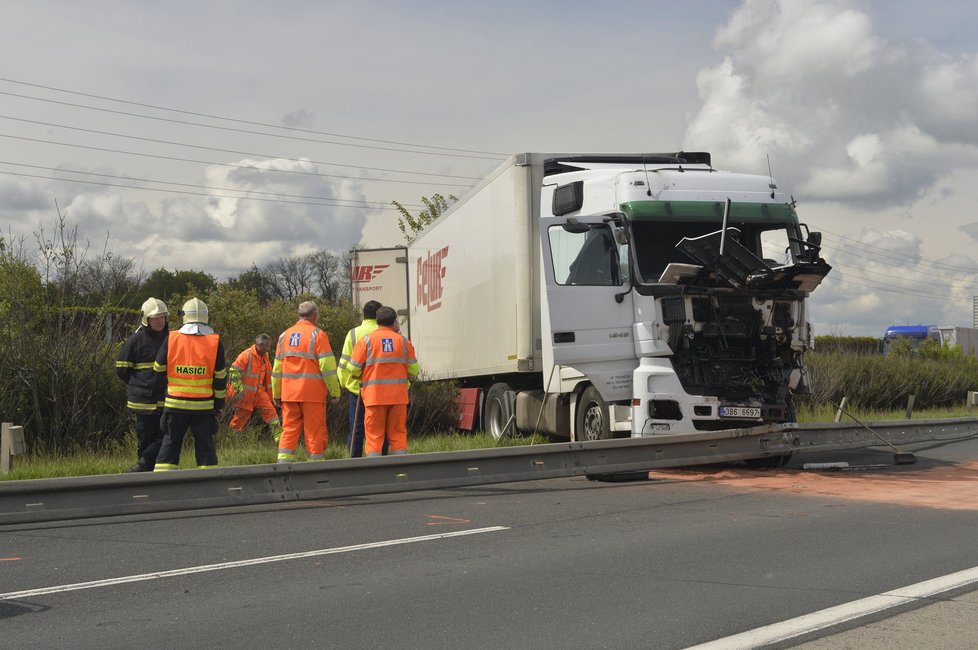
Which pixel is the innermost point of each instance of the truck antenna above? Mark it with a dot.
(648, 185)
(770, 175)
(723, 229)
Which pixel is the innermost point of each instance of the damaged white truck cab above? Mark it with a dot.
(601, 295)
(676, 290)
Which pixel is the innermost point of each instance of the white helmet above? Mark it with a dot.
(153, 307)
(195, 311)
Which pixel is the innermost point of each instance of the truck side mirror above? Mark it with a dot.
(815, 239)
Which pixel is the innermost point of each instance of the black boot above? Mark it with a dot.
(140, 466)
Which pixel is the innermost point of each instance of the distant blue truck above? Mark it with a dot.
(951, 336)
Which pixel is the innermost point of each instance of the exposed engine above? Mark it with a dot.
(735, 347)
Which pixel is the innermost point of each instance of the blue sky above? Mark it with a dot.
(866, 108)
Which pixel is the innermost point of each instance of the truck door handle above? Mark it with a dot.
(563, 337)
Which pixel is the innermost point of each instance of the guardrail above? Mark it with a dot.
(41, 500)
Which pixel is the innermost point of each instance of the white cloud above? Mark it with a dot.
(815, 87)
(873, 135)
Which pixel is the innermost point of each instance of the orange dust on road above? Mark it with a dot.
(952, 487)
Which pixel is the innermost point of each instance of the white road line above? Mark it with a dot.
(825, 618)
(28, 593)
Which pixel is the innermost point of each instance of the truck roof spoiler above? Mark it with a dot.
(553, 166)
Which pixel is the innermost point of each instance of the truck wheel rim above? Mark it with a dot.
(593, 422)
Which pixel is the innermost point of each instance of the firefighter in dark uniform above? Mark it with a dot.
(192, 363)
(145, 396)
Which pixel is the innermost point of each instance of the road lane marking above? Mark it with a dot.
(809, 623)
(29, 593)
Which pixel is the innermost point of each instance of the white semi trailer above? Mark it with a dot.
(625, 294)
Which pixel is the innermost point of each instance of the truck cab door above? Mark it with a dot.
(588, 315)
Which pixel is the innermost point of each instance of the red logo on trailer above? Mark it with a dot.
(368, 272)
(431, 272)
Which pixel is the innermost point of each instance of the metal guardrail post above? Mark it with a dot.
(5, 447)
(11, 444)
(842, 406)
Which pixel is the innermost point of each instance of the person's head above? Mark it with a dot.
(309, 311)
(154, 314)
(262, 343)
(386, 316)
(194, 311)
(370, 309)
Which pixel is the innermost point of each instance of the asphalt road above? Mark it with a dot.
(688, 558)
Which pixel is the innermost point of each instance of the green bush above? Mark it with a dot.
(433, 409)
(847, 344)
(885, 383)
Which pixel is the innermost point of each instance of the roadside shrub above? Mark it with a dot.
(847, 344)
(433, 409)
(885, 383)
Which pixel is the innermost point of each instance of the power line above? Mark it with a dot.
(925, 295)
(240, 121)
(888, 253)
(251, 131)
(234, 151)
(207, 194)
(904, 278)
(220, 164)
(369, 204)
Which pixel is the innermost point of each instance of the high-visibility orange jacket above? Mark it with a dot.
(305, 368)
(255, 373)
(195, 373)
(385, 363)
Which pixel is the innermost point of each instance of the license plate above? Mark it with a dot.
(740, 412)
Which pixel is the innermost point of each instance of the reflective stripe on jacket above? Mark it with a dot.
(343, 369)
(255, 373)
(135, 366)
(305, 368)
(385, 363)
(195, 372)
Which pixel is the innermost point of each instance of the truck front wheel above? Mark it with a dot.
(592, 421)
(496, 411)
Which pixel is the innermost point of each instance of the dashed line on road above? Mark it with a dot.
(29, 593)
(826, 618)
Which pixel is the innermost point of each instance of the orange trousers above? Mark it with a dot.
(385, 421)
(262, 403)
(307, 418)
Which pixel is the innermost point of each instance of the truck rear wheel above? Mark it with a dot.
(496, 411)
(592, 421)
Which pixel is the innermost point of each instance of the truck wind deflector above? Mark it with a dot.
(736, 266)
(740, 268)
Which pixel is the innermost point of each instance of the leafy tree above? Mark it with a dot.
(434, 208)
(164, 284)
(252, 280)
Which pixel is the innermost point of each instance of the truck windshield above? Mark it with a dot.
(658, 226)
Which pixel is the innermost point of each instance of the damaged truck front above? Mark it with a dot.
(675, 290)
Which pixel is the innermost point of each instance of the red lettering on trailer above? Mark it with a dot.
(368, 272)
(431, 272)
